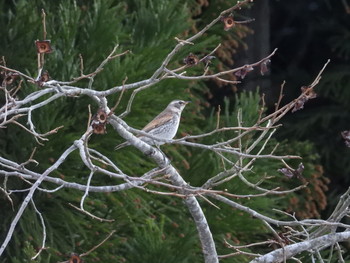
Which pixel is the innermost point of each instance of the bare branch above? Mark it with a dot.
(44, 231)
(91, 215)
(294, 249)
(98, 245)
(30, 196)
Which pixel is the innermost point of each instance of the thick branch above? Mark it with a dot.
(289, 251)
(208, 245)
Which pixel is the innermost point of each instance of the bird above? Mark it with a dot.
(164, 126)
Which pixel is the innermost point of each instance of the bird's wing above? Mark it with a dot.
(162, 118)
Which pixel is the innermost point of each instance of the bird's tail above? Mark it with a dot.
(122, 145)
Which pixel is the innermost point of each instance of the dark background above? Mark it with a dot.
(307, 34)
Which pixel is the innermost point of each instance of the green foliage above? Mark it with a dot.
(151, 243)
(148, 228)
(92, 29)
(28, 251)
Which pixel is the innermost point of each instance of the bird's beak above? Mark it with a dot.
(188, 102)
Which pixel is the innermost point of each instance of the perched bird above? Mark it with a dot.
(164, 126)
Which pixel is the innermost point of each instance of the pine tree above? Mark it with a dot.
(149, 228)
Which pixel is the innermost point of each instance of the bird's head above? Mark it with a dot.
(177, 105)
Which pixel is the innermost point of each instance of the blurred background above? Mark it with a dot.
(158, 228)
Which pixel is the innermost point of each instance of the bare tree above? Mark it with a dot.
(309, 235)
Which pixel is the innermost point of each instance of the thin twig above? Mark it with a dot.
(44, 231)
(98, 245)
(120, 96)
(44, 23)
(91, 215)
(7, 195)
(89, 118)
(218, 118)
(30, 160)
